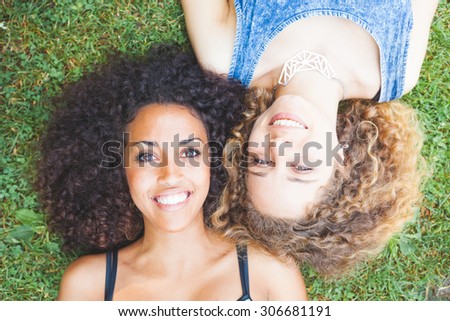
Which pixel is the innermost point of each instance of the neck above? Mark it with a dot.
(180, 252)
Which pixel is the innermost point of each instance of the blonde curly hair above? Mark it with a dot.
(365, 203)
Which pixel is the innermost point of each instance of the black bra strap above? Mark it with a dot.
(111, 271)
(243, 271)
(377, 96)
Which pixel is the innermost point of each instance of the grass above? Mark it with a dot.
(46, 44)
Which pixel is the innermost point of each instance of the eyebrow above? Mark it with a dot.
(145, 142)
(298, 180)
(189, 140)
(290, 179)
(155, 144)
(260, 174)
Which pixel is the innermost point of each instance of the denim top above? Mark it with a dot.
(389, 22)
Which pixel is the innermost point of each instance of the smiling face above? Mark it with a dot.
(293, 151)
(166, 172)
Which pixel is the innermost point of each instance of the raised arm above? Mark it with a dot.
(211, 27)
(423, 13)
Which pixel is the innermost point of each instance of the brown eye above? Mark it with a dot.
(262, 162)
(146, 157)
(190, 153)
(302, 168)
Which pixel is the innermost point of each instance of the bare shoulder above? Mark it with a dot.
(84, 279)
(282, 280)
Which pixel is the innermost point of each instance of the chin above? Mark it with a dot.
(178, 224)
(172, 229)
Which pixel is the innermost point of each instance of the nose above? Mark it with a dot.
(281, 149)
(170, 174)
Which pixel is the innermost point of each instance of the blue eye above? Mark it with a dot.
(146, 157)
(190, 153)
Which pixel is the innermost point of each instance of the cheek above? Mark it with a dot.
(314, 156)
(130, 174)
(255, 137)
(197, 173)
(257, 133)
(320, 149)
(200, 171)
(203, 176)
(327, 174)
(137, 181)
(260, 192)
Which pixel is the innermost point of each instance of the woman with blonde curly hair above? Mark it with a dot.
(369, 197)
(324, 185)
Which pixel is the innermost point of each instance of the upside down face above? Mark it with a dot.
(292, 153)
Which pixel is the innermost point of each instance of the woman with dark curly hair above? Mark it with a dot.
(349, 177)
(130, 166)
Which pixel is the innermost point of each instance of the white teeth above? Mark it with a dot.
(172, 199)
(288, 123)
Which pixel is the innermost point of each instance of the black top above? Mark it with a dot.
(111, 272)
(377, 95)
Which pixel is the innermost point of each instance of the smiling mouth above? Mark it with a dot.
(287, 123)
(172, 199)
(287, 120)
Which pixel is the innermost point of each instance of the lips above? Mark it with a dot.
(172, 199)
(287, 120)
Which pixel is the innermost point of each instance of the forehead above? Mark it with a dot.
(165, 121)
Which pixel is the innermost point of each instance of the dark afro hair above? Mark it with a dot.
(81, 179)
